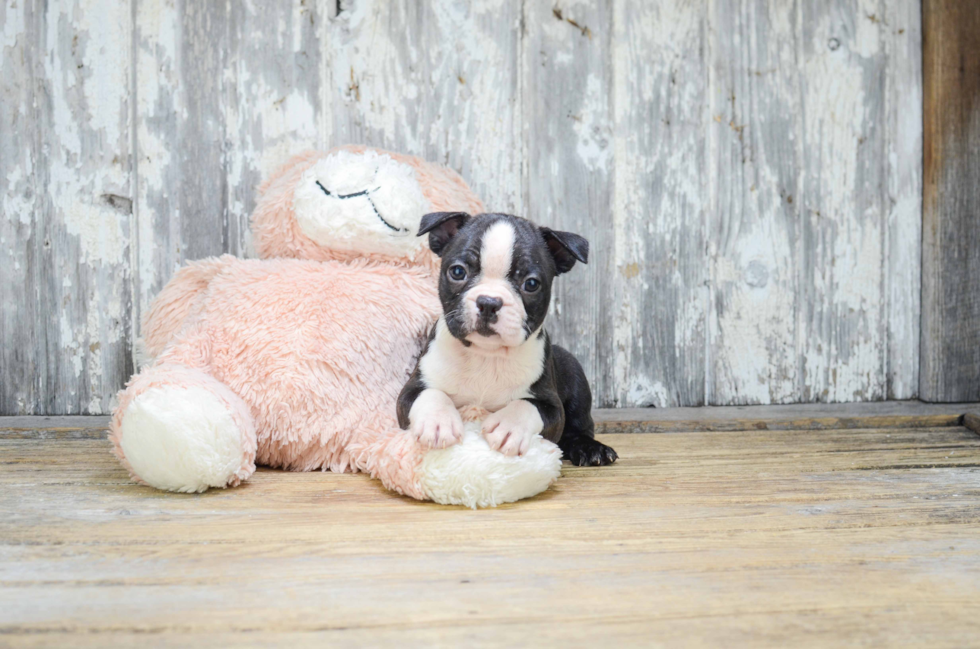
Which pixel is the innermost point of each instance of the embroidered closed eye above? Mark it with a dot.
(367, 194)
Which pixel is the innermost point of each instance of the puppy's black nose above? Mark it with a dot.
(488, 306)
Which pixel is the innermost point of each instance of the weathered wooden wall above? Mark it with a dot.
(951, 202)
(748, 171)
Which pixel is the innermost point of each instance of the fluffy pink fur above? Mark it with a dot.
(309, 352)
(179, 302)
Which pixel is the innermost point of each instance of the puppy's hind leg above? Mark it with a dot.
(583, 449)
(577, 443)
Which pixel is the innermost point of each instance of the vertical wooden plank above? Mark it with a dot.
(567, 89)
(159, 101)
(19, 144)
(434, 79)
(841, 281)
(902, 33)
(72, 326)
(200, 145)
(655, 270)
(801, 278)
(950, 343)
(181, 50)
(226, 93)
(755, 139)
(82, 284)
(272, 99)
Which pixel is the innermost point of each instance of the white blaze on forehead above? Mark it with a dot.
(497, 251)
(496, 256)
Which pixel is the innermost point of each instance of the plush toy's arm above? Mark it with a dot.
(179, 300)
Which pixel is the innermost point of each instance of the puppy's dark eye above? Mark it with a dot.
(457, 273)
(531, 285)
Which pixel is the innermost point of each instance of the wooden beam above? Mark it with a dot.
(892, 414)
(950, 333)
(972, 421)
(815, 416)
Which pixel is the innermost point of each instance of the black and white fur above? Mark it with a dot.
(490, 348)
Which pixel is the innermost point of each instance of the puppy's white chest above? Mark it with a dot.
(471, 378)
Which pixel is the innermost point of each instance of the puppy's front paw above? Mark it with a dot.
(511, 429)
(435, 422)
(585, 451)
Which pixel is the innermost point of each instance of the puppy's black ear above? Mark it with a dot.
(566, 247)
(442, 227)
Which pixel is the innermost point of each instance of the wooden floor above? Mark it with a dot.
(839, 536)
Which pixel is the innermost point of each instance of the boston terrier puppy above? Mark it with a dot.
(490, 349)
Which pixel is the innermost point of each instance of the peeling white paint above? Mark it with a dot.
(99, 230)
(18, 201)
(75, 196)
(868, 21)
(644, 392)
(848, 250)
(591, 126)
(903, 228)
(747, 246)
(658, 200)
(76, 185)
(444, 88)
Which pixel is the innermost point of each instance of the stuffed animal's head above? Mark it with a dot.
(355, 202)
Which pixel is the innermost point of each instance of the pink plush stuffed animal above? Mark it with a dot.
(295, 360)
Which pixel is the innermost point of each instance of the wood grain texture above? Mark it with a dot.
(754, 218)
(747, 172)
(950, 344)
(21, 202)
(226, 93)
(181, 73)
(972, 421)
(657, 266)
(698, 539)
(809, 416)
(902, 41)
(439, 80)
(66, 185)
(880, 414)
(841, 308)
(899, 414)
(567, 96)
(814, 241)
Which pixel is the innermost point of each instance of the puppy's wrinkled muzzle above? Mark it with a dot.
(487, 308)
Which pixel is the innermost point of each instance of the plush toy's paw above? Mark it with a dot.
(181, 439)
(585, 451)
(511, 429)
(473, 475)
(435, 422)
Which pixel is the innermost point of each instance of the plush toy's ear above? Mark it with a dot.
(442, 227)
(566, 247)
